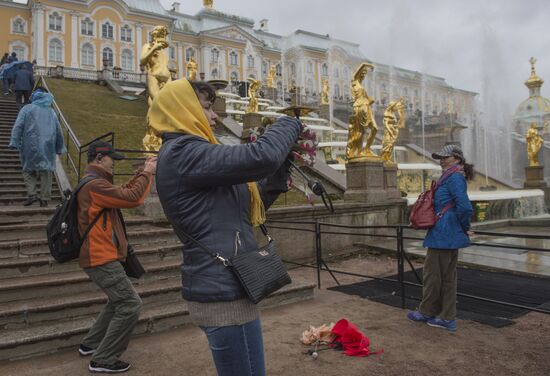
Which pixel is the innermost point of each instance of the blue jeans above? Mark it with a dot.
(238, 349)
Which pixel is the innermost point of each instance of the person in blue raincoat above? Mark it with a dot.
(37, 135)
(451, 232)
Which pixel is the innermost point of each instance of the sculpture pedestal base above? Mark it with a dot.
(365, 181)
(324, 111)
(250, 121)
(390, 181)
(534, 177)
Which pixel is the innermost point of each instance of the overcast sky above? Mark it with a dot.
(462, 41)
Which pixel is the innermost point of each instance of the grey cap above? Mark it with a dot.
(449, 151)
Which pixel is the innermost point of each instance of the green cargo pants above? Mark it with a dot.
(31, 179)
(111, 332)
(439, 291)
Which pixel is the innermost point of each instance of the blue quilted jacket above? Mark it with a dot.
(450, 231)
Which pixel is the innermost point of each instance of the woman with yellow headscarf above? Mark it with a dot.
(216, 194)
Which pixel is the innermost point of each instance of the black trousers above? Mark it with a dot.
(26, 94)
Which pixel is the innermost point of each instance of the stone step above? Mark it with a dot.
(32, 247)
(10, 168)
(17, 200)
(64, 334)
(41, 265)
(59, 284)
(13, 192)
(19, 213)
(15, 163)
(30, 313)
(9, 155)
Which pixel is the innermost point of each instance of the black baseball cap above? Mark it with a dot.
(103, 148)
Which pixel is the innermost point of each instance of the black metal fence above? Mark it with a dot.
(395, 232)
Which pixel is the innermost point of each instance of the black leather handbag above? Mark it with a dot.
(132, 266)
(261, 272)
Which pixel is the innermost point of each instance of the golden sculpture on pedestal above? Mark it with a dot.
(192, 69)
(155, 62)
(391, 128)
(324, 92)
(362, 121)
(253, 88)
(271, 77)
(208, 4)
(534, 143)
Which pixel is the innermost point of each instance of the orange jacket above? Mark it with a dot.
(106, 241)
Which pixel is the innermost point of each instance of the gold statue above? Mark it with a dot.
(391, 128)
(362, 118)
(534, 143)
(271, 77)
(208, 4)
(192, 69)
(155, 62)
(324, 92)
(253, 88)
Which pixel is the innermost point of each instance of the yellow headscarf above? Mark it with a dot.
(176, 108)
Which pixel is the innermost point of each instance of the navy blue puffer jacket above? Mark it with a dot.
(202, 189)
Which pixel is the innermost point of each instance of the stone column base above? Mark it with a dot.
(390, 181)
(250, 121)
(365, 181)
(534, 177)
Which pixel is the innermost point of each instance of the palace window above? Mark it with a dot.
(126, 33)
(55, 51)
(127, 60)
(309, 86)
(20, 51)
(264, 68)
(214, 55)
(292, 69)
(87, 27)
(172, 52)
(346, 72)
(233, 58)
(107, 30)
(324, 70)
(107, 57)
(278, 70)
(55, 21)
(18, 26)
(250, 61)
(309, 67)
(87, 55)
(189, 53)
(336, 73)
(336, 91)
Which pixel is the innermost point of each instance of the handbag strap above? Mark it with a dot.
(217, 255)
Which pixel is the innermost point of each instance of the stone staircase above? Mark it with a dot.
(46, 306)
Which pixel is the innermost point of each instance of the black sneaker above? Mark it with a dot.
(30, 200)
(85, 350)
(118, 367)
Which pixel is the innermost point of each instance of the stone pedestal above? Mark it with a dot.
(324, 111)
(534, 177)
(219, 107)
(390, 181)
(365, 181)
(250, 121)
(404, 137)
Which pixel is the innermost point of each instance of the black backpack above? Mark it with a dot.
(64, 239)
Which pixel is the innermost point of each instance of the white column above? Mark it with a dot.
(203, 65)
(74, 40)
(180, 61)
(38, 34)
(138, 45)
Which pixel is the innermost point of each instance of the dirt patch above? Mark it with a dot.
(409, 348)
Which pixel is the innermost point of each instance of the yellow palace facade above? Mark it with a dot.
(91, 35)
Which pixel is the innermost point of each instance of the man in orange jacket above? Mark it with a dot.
(103, 250)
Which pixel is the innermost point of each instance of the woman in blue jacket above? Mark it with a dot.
(451, 232)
